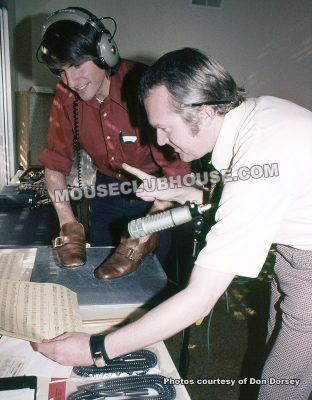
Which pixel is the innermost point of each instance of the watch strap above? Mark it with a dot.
(98, 352)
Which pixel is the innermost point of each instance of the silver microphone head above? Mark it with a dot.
(156, 222)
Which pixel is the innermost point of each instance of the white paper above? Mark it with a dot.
(18, 394)
(11, 265)
(17, 358)
(17, 264)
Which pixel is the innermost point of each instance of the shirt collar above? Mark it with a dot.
(114, 91)
(223, 151)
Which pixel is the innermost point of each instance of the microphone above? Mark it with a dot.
(166, 219)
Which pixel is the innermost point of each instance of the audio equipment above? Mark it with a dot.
(106, 47)
(167, 219)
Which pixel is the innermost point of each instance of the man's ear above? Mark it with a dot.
(206, 112)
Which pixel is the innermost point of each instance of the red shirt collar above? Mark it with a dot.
(114, 88)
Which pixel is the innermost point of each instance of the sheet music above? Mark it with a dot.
(36, 311)
(17, 264)
(11, 265)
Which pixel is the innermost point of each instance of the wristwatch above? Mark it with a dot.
(97, 349)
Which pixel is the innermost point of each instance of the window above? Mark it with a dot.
(7, 161)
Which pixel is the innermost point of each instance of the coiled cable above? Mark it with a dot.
(76, 142)
(147, 387)
(137, 362)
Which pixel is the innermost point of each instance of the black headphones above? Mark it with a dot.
(106, 47)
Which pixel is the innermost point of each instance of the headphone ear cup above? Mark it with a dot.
(107, 50)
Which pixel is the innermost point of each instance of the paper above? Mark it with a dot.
(18, 358)
(17, 264)
(36, 311)
(11, 265)
(18, 394)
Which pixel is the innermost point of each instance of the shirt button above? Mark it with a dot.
(105, 114)
(119, 175)
(113, 158)
(108, 137)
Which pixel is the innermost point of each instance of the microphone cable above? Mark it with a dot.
(147, 387)
(137, 362)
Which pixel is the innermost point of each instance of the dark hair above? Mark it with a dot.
(191, 78)
(67, 43)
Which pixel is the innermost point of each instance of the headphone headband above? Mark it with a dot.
(106, 46)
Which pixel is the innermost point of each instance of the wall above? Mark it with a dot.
(11, 21)
(265, 44)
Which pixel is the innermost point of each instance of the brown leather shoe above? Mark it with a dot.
(126, 258)
(70, 246)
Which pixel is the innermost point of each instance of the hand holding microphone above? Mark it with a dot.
(167, 219)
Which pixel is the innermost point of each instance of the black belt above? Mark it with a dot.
(147, 387)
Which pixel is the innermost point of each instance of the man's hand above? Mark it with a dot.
(154, 188)
(71, 348)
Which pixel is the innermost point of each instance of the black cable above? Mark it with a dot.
(139, 361)
(147, 387)
(76, 142)
(207, 361)
(184, 360)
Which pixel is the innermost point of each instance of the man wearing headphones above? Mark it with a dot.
(96, 109)
(197, 108)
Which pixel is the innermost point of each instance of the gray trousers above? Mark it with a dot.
(290, 328)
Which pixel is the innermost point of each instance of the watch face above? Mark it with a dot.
(99, 360)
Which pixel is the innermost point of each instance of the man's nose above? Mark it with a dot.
(162, 137)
